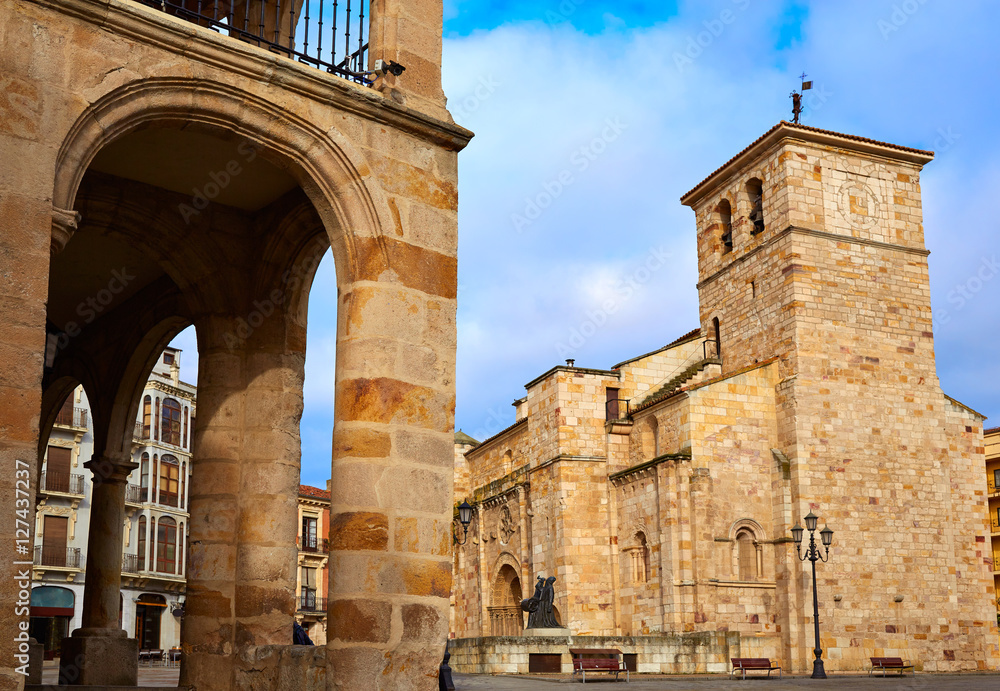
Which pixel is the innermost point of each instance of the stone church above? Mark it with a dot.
(661, 492)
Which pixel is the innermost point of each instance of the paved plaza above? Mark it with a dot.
(937, 682)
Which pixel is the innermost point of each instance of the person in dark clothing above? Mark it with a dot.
(299, 635)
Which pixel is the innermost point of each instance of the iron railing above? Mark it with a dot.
(307, 544)
(72, 417)
(308, 602)
(140, 433)
(326, 34)
(130, 563)
(617, 409)
(134, 494)
(62, 482)
(68, 557)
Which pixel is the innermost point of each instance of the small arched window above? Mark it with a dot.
(147, 416)
(170, 427)
(144, 476)
(166, 545)
(725, 211)
(638, 556)
(142, 543)
(746, 554)
(508, 461)
(716, 327)
(755, 195)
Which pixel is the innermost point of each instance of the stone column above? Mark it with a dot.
(207, 637)
(100, 652)
(393, 466)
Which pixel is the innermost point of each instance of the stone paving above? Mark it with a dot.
(937, 682)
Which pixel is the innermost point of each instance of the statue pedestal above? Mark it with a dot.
(545, 632)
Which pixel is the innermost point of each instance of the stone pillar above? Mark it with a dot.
(409, 32)
(100, 652)
(393, 466)
(207, 637)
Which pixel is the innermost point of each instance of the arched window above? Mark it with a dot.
(144, 476)
(166, 545)
(156, 473)
(181, 496)
(170, 426)
(725, 211)
(147, 414)
(142, 543)
(755, 195)
(186, 427)
(746, 555)
(508, 461)
(156, 419)
(637, 551)
(169, 480)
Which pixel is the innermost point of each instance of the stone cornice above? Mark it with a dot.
(581, 370)
(563, 457)
(164, 387)
(147, 25)
(646, 468)
(833, 237)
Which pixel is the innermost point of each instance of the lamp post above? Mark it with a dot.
(813, 555)
(465, 518)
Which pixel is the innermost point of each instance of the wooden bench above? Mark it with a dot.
(760, 664)
(889, 663)
(600, 660)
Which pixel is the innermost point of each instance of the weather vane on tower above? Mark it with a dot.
(797, 98)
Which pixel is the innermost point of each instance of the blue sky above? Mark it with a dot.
(636, 102)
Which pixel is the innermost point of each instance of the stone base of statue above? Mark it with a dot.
(545, 632)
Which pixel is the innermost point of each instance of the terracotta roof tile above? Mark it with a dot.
(308, 491)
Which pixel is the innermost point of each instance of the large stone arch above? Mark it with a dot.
(332, 173)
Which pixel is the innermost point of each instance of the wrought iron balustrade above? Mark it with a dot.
(66, 483)
(130, 563)
(134, 494)
(72, 417)
(308, 602)
(68, 557)
(312, 544)
(330, 35)
(617, 409)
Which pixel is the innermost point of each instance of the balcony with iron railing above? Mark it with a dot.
(308, 602)
(306, 543)
(58, 557)
(130, 563)
(75, 418)
(992, 490)
(134, 494)
(62, 483)
(331, 35)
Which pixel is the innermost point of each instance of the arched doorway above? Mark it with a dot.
(148, 612)
(506, 617)
(51, 612)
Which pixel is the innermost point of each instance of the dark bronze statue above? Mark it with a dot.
(539, 605)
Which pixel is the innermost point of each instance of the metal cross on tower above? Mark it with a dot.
(797, 97)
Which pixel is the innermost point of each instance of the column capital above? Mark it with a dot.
(113, 469)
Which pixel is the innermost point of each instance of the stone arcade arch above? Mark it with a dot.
(384, 201)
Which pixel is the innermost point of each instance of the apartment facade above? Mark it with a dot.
(991, 439)
(313, 561)
(156, 511)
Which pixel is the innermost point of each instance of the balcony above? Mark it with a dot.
(134, 494)
(991, 490)
(312, 544)
(994, 525)
(314, 32)
(60, 557)
(63, 483)
(308, 602)
(75, 418)
(130, 563)
(140, 433)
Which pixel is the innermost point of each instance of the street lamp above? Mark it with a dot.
(465, 518)
(813, 555)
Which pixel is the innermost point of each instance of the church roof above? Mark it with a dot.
(790, 129)
(463, 438)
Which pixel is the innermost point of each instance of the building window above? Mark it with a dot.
(147, 413)
(186, 427)
(169, 479)
(182, 498)
(746, 554)
(166, 545)
(307, 599)
(156, 419)
(611, 406)
(996, 478)
(57, 468)
(170, 427)
(54, 533)
(717, 328)
(309, 533)
(755, 194)
(168, 358)
(725, 212)
(638, 554)
(181, 544)
(144, 477)
(142, 543)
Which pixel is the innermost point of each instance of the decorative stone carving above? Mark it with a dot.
(64, 224)
(507, 527)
